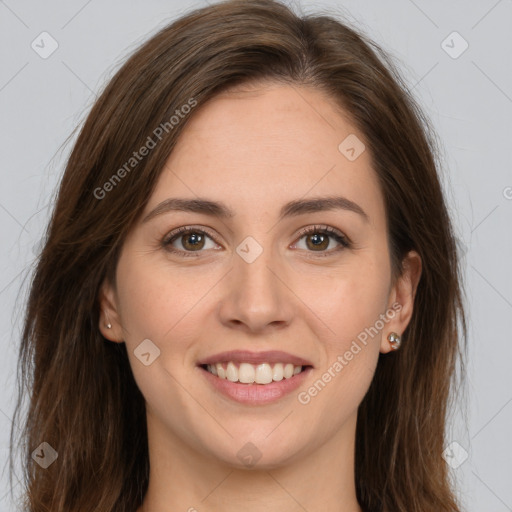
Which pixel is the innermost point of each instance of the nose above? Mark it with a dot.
(256, 297)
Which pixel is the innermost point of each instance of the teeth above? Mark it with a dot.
(278, 372)
(232, 372)
(220, 370)
(288, 371)
(260, 374)
(263, 374)
(246, 373)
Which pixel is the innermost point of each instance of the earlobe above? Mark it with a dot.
(394, 340)
(402, 293)
(109, 321)
(108, 325)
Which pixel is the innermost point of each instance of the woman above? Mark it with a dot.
(249, 295)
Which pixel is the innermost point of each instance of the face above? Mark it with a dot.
(271, 275)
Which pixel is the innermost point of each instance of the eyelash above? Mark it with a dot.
(324, 230)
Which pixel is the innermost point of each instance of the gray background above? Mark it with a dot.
(468, 98)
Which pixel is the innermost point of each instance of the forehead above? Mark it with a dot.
(267, 144)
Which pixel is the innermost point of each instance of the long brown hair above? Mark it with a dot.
(84, 401)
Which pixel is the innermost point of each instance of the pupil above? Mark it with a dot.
(318, 240)
(193, 241)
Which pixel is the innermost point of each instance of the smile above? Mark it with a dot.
(247, 373)
(254, 378)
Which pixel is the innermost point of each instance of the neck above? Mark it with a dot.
(181, 478)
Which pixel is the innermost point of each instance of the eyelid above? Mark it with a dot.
(340, 237)
(185, 229)
(166, 243)
(344, 240)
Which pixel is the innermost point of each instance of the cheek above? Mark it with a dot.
(350, 299)
(162, 304)
(147, 302)
(352, 310)
(158, 307)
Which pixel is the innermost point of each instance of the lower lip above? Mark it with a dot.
(256, 394)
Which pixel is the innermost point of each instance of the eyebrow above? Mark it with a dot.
(290, 209)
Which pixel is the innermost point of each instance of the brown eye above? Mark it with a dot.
(323, 240)
(192, 241)
(317, 241)
(185, 241)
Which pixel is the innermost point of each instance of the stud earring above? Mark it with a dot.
(109, 325)
(394, 340)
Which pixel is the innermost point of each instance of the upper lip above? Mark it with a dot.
(246, 356)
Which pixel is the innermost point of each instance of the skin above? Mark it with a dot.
(254, 150)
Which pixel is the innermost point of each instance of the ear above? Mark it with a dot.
(402, 293)
(109, 313)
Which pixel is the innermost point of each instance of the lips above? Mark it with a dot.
(254, 378)
(255, 394)
(255, 358)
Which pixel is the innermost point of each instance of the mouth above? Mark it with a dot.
(254, 378)
(247, 373)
